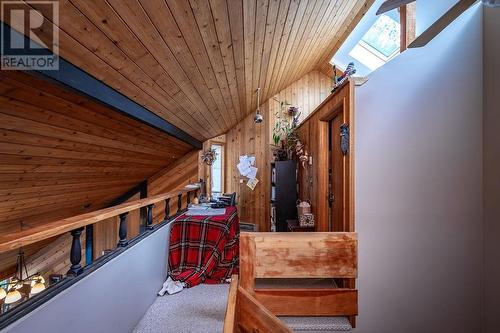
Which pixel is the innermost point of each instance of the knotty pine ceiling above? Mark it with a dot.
(197, 63)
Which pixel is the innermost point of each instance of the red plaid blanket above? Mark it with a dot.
(204, 249)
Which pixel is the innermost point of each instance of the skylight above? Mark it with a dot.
(379, 44)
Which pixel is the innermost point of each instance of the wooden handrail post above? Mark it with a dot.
(122, 232)
(188, 198)
(75, 255)
(167, 208)
(149, 221)
(179, 203)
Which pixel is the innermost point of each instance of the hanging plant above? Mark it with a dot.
(209, 156)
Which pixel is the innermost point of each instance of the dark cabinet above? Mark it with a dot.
(283, 193)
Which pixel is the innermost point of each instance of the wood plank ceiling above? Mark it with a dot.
(62, 154)
(197, 63)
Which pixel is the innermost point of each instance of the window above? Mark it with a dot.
(379, 44)
(376, 39)
(216, 171)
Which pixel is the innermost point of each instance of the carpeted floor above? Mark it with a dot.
(199, 309)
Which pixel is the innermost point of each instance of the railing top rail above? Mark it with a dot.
(14, 240)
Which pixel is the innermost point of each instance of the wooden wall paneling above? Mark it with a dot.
(134, 16)
(283, 41)
(314, 129)
(51, 97)
(105, 236)
(267, 71)
(224, 74)
(249, 10)
(250, 138)
(310, 26)
(186, 22)
(333, 23)
(235, 13)
(197, 63)
(221, 19)
(272, 28)
(323, 28)
(54, 257)
(177, 175)
(260, 17)
(291, 38)
(87, 57)
(105, 233)
(62, 154)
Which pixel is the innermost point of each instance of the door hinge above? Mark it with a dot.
(344, 138)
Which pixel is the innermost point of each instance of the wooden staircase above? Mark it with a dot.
(254, 307)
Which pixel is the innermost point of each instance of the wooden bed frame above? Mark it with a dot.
(291, 255)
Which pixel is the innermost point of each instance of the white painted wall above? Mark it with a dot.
(419, 187)
(492, 168)
(112, 299)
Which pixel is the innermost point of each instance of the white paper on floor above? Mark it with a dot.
(171, 287)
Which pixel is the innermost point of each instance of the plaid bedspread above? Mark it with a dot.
(204, 249)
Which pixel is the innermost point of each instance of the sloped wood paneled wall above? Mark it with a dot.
(62, 154)
(255, 139)
(197, 63)
(184, 171)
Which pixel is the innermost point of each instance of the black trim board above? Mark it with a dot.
(85, 84)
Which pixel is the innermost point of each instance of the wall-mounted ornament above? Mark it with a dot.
(209, 156)
(344, 138)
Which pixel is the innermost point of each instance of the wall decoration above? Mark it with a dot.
(208, 156)
(344, 138)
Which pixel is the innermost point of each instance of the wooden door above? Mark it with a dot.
(336, 175)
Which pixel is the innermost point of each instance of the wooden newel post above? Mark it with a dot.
(188, 198)
(179, 203)
(149, 221)
(167, 208)
(75, 255)
(122, 232)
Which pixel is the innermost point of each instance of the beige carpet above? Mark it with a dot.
(199, 309)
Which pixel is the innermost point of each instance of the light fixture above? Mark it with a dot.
(258, 117)
(37, 288)
(13, 296)
(22, 285)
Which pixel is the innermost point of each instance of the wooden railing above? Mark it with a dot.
(76, 224)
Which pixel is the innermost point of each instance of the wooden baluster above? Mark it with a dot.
(75, 255)
(149, 221)
(167, 208)
(188, 199)
(179, 203)
(122, 232)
